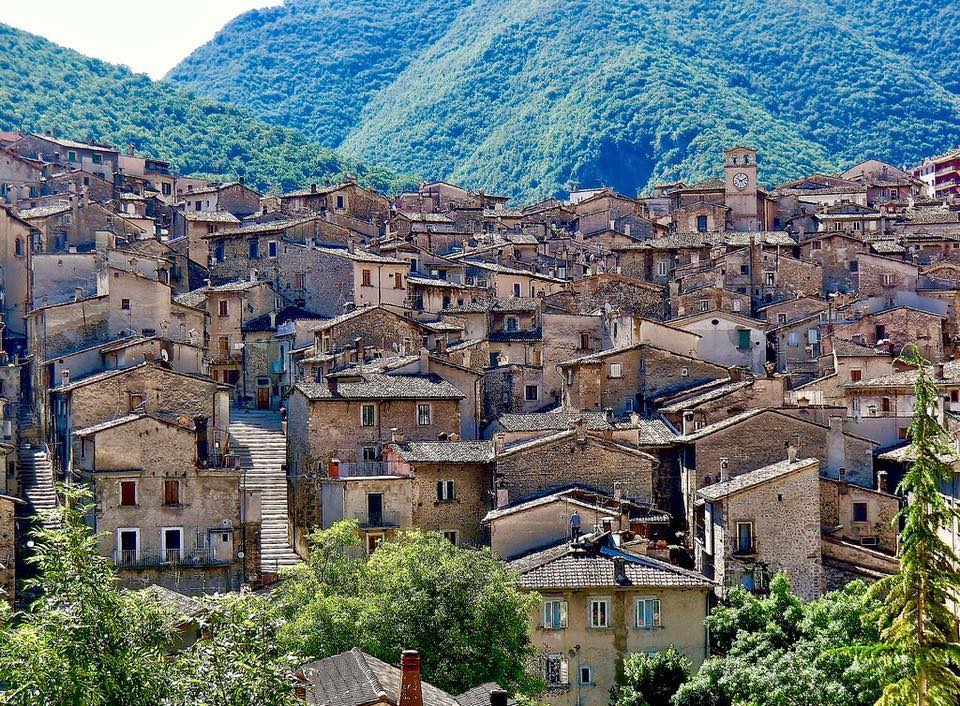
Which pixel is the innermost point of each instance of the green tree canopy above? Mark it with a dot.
(651, 680)
(459, 607)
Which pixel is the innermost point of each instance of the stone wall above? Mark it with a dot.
(473, 485)
(836, 511)
(8, 544)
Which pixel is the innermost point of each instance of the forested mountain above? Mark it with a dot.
(44, 86)
(527, 97)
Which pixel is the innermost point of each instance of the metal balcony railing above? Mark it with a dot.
(745, 548)
(132, 559)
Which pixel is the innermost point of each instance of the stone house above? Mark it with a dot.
(512, 327)
(706, 297)
(575, 455)
(797, 344)
(846, 362)
(834, 251)
(627, 379)
(101, 159)
(699, 217)
(8, 547)
(510, 281)
(760, 523)
(621, 330)
(169, 509)
(732, 340)
(864, 516)
(151, 387)
(19, 176)
(347, 198)
(586, 295)
(74, 224)
(757, 437)
(234, 197)
(882, 276)
(600, 604)
(701, 407)
(452, 487)
(195, 225)
(790, 310)
(896, 328)
(16, 247)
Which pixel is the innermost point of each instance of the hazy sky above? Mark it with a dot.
(150, 38)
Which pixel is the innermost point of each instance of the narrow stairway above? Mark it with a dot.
(36, 479)
(261, 448)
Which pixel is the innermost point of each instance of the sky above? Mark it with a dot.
(158, 36)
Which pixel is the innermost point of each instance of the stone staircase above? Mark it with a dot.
(261, 448)
(36, 479)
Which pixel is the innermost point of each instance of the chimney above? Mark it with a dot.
(613, 224)
(503, 497)
(938, 370)
(410, 693)
(313, 188)
(351, 243)
(626, 229)
(724, 470)
(634, 419)
(273, 319)
(882, 481)
(619, 570)
(333, 468)
(358, 348)
(253, 274)
(424, 361)
(65, 377)
(791, 453)
(397, 436)
(240, 180)
(77, 293)
(332, 384)
(441, 345)
(735, 373)
(498, 697)
(499, 441)
(454, 436)
(687, 422)
(148, 357)
(581, 429)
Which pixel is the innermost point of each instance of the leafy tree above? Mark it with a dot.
(82, 642)
(919, 625)
(651, 681)
(780, 651)
(459, 607)
(239, 661)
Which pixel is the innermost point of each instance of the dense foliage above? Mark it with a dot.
(459, 607)
(46, 87)
(780, 651)
(650, 680)
(528, 97)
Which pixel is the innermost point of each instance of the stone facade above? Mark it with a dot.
(588, 294)
(840, 504)
(8, 548)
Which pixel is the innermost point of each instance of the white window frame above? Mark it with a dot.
(363, 407)
(616, 370)
(136, 552)
(662, 268)
(639, 613)
(593, 612)
(446, 490)
(429, 417)
(588, 670)
(163, 542)
(547, 610)
(753, 536)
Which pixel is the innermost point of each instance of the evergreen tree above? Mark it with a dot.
(920, 626)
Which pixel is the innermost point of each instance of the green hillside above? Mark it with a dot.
(44, 86)
(528, 97)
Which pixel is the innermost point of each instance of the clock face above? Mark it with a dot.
(741, 181)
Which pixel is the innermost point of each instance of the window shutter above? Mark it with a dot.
(439, 490)
(564, 671)
(655, 605)
(546, 614)
(563, 615)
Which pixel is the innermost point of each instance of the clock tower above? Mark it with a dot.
(740, 190)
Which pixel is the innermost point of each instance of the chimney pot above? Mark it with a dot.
(619, 569)
(687, 422)
(498, 697)
(882, 481)
(410, 690)
(792, 453)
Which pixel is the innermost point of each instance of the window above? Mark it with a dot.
(97, 159)
(368, 415)
(369, 453)
(856, 375)
(71, 156)
(855, 406)
(171, 492)
(745, 540)
(744, 269)
(684, 372)
(616, 370)
(769, 279)
(128, 493)
(885, 404)
(854, 266)
(781, 319)
(856, 225)
(171, 544)
(555, 670)
(554, 614)
(445, 490)
(954, 395)
(586, 675)
(743, 338)
(736, 305)
(701, 224)
(792, 338)
(569, 376)
(135, 400)
(599, 612)
(698, 424)
(584, 341)
(424, 414)
(128, 546)
(223, 307)
(254, 249)
(18, 247)
(339, 201)
(512, 323)
(531, 393)
(879, 332)
(397, 280)
(859, 512)
(517, 291)
(219, 251)
(662, 268)
(125, 304)
(374, 540)
(299, 281)
(272, 248)
(366, 278)
(198, 206)
(223, 345)
(816, 245)
(648, 613)
(451, 536)
(704, 305)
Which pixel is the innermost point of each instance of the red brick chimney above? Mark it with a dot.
(410, 693)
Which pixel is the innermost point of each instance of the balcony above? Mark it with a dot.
(366, 469)
(745, 548)
(132, 559)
